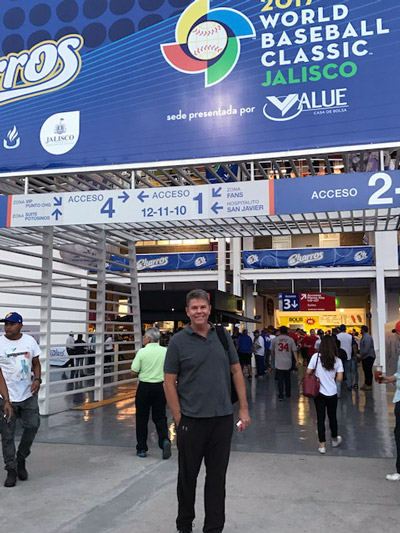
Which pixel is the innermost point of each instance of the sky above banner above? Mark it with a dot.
(98, 83)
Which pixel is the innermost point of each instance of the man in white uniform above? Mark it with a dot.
(19, 359)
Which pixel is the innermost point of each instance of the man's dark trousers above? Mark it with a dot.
(283, 377)
(208, 438)
(367, 365)
(28, 412)
(150, 396)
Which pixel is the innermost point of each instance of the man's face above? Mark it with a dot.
(12, 330)
(198, 311)
(312, 332)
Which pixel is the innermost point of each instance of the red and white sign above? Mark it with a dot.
(317, 302)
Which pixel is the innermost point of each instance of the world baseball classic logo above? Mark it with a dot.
(208, 40)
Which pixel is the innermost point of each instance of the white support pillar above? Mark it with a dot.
(374, 307)
(381, 318)
(249, 306)
(45, 319)
(222, 265)
(248, 243)
(236, 247)
(392, 303)
(136, 319)
(100, 317)
(249, 310)
(386, 259)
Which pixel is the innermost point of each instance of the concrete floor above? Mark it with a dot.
(101, 489)
(85, 477)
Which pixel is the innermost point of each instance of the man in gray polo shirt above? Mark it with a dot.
(197, 386)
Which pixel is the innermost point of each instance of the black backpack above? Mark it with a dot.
(224, 341)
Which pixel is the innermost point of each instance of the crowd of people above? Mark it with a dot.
(333, 356)
(299, 347)
(80, 352)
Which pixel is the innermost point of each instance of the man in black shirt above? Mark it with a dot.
(197, 386)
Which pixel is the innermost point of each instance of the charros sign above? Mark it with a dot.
(47, 67)
(322, 257)
(217, 78)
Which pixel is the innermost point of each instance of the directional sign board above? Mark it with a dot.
(144, 205)
(338, 192)
(289, 302)
(333, 193)
(317, 302)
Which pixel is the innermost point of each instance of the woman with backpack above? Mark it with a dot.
(329, 370)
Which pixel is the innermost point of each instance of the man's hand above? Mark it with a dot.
(35, 386)
(244, 416)
(386, 379)
(8, 410)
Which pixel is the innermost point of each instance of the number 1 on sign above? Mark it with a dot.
(199, 199)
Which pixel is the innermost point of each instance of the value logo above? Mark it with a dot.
(283, 108)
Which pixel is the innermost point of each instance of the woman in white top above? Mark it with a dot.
(329, 369)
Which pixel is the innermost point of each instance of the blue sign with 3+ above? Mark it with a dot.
(289, 302)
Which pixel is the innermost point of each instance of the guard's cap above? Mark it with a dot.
(12, 317)
(256, 331)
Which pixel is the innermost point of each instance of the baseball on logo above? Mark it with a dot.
(207, 40)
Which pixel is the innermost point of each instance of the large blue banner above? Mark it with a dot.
(306, 257)
(98, 83)
(185, 261)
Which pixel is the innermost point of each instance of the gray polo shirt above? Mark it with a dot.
(203, 372)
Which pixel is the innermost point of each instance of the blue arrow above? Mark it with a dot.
(124, 197)
(142, 196)
(57, 201)
(216, 208)
(57, 213)
(216, 193)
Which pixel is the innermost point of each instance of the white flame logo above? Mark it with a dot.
(13, 140)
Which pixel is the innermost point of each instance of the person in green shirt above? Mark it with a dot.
(148, 366)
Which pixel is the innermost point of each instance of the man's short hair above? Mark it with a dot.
(283, 330)
(153, 334)
(197, 294)
(342, 327)
(364, 329)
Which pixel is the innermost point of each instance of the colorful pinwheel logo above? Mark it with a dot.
(208, 41)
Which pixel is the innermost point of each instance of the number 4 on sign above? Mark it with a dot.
(107, 208)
